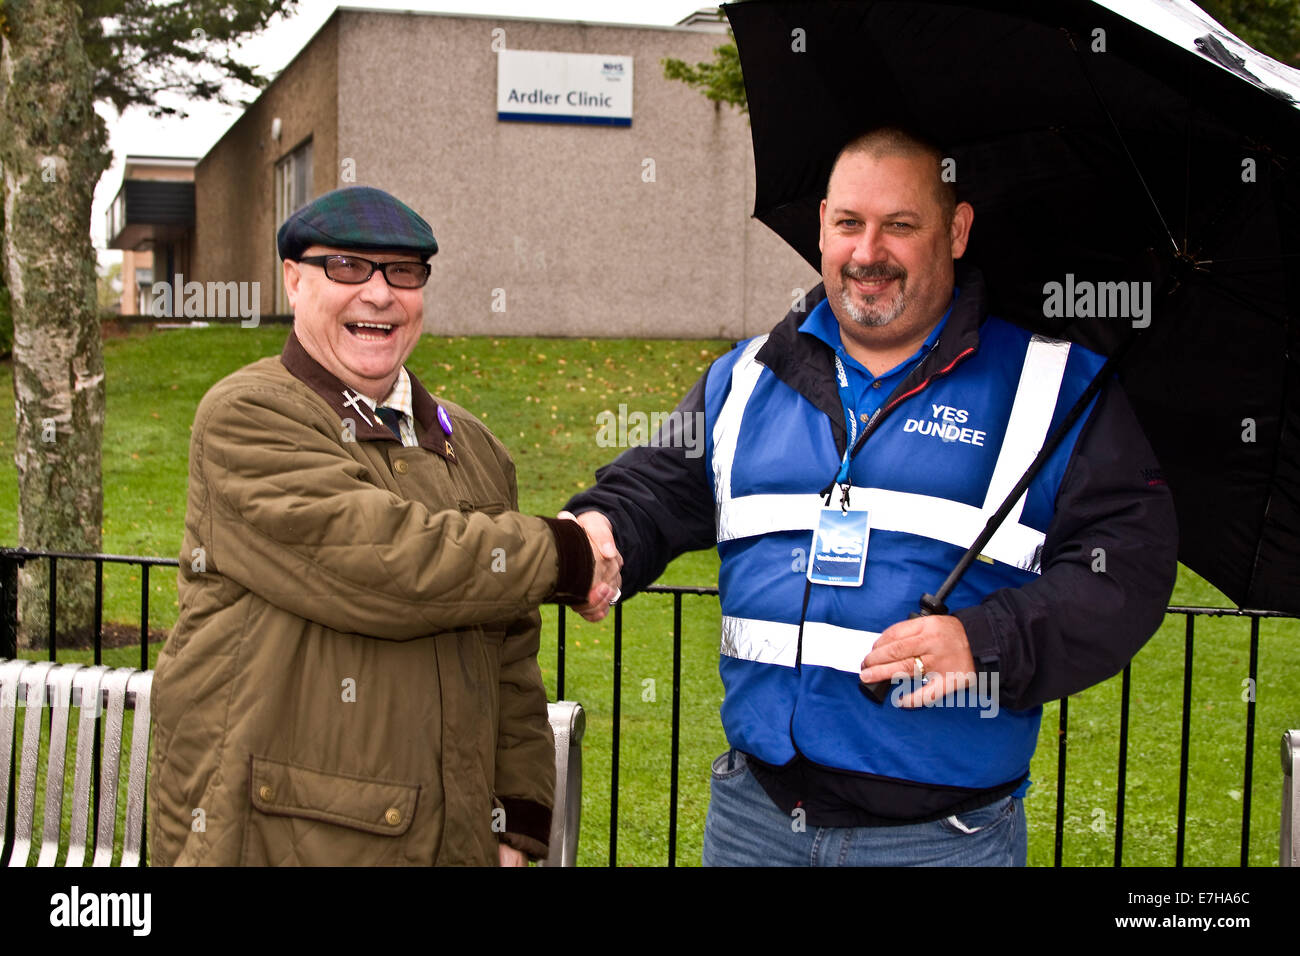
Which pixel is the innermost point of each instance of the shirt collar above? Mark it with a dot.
(822, 324)
(398, 397)
(345, 401)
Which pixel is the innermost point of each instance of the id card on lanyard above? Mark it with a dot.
(839, 545)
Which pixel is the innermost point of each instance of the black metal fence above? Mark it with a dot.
(12, 558)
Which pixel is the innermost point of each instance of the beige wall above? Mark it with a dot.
(558, 217)
(134, 169)
(234, 236)
(131, 262)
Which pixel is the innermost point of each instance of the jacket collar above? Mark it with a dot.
(347, 403)
(806, 363)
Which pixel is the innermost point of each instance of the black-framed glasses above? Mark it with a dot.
(354, 270)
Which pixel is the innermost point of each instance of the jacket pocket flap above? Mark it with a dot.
(380, 807)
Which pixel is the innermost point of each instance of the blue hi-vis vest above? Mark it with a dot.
(940, 462)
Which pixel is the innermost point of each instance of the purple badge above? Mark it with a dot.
(444, 419)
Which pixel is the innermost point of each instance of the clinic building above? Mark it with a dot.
(573, 189)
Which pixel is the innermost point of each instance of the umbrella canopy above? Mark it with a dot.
(1164, 165)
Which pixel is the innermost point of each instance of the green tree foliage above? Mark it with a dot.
(140, 48)
(108, 298)
(1270, 26)
(719, 80)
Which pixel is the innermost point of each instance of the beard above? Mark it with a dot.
(873, 312)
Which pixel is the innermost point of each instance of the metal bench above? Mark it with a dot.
(40, 686)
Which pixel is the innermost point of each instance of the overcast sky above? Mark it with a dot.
(134, 132)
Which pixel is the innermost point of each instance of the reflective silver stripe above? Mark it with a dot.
(949, 521)
(937, 518)
(753, 515)
(1031, 414)
(726, 431)
(768, 642)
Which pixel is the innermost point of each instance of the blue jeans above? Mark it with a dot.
(745, 828)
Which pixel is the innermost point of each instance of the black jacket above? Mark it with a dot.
(1067, 630)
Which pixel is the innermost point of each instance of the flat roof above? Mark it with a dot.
(385, 11)
(676, 27)
(162, 160)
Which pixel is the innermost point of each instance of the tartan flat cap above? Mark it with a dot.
(356, 217)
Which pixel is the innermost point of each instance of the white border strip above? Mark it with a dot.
(726, 431)
(1031, 416)
(768, 642)
(924, 515)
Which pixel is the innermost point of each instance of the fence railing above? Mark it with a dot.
(12, 558)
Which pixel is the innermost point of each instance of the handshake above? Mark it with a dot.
(607, 580)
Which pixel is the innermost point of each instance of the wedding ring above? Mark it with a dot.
(618, 593)
(919, 670)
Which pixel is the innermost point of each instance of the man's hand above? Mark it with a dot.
(607, 581)
(509, 856)
(939, 641)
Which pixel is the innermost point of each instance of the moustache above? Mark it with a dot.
(872, 273)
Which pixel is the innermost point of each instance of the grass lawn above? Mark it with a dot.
(541, 397)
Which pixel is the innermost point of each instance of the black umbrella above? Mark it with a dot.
(1094, 151)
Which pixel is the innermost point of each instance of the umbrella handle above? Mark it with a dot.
(879, 690)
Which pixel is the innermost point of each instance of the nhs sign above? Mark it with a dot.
(535, 86)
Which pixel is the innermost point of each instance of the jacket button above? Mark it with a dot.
(401, 467)
(265, 792)
(393, 817)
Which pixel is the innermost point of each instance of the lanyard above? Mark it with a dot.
(848, 400)
(850, 424)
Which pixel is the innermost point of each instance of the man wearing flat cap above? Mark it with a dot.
(353, 678)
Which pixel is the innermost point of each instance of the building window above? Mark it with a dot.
(117, 214)
(143, 279)
(292, 186)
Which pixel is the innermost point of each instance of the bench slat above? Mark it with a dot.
(87, 681)
(34, 679)
(139, 686)
(568, 724)
(110, 765)
(90, 688)
(10, 674)
(60, 683)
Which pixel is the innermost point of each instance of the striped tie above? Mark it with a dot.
(390, 417)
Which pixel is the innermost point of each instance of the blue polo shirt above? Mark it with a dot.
(871, 390)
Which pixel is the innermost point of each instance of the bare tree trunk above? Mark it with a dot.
(53, 151)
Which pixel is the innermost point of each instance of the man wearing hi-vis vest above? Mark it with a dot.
(825, 553)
